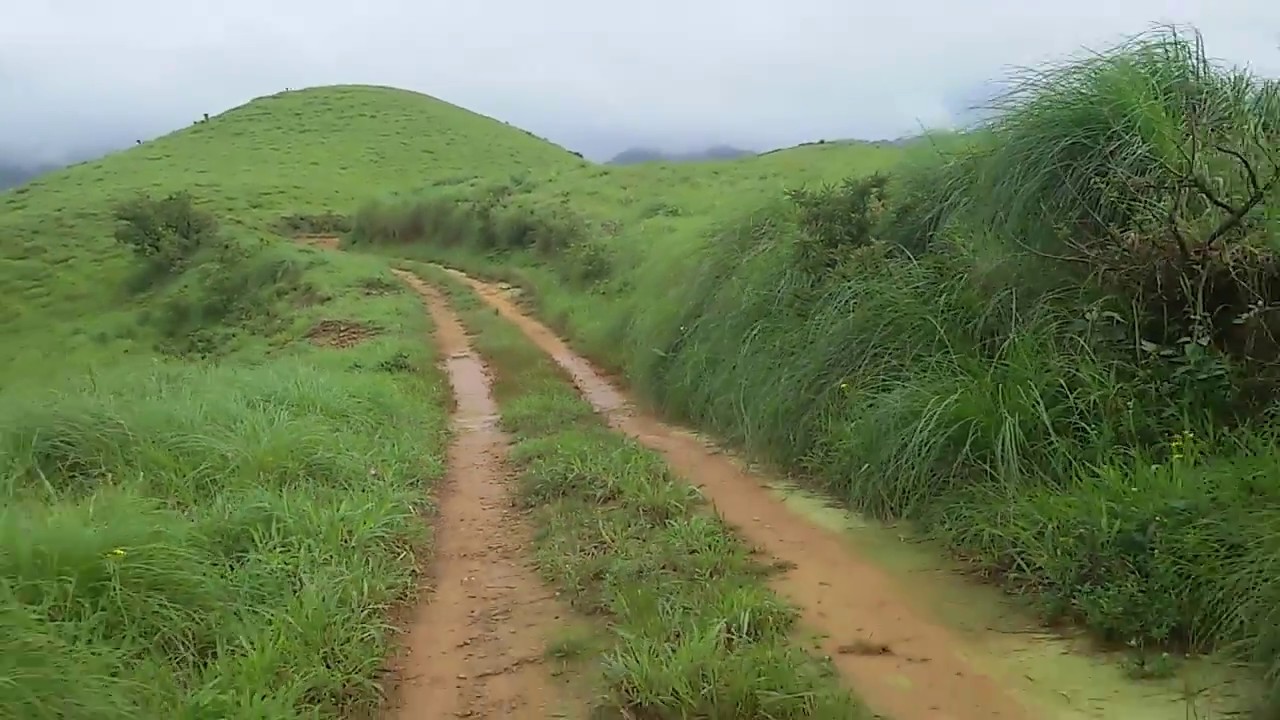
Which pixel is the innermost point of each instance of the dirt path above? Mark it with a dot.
(900, 661)
(474, 648)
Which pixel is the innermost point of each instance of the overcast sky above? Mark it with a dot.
(593, 75)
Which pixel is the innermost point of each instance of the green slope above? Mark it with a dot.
(206, 504)
(299, 152)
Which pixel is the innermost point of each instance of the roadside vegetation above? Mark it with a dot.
(692, 628)
(218, 529)
(1049, 341)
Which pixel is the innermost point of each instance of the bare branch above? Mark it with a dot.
(1175, 209)
(1202, 185)
(1238, 217)
(1254, 185)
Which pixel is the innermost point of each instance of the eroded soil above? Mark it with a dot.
(326, 242)
(475, 645)
(340, 333)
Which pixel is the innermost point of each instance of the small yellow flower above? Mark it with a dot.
(118, 552)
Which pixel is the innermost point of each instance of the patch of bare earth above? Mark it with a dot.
(340, 333)
(377, 286)
(474, 648)
(900, 661)
(325, 242)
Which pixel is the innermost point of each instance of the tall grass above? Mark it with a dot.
(1050, 346)
(1100, 146)
(495, 220)
(217, 540)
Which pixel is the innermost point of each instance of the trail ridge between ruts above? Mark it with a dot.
(901, 662)
(474, 647)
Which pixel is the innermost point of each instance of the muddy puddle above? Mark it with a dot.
(1061, 677)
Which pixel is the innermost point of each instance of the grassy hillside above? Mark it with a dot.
(307, 152)
(1048, 342)
(212, 458)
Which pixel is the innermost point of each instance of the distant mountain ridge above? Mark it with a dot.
(634, 155)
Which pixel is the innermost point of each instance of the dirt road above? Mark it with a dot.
(901, 662)
(474, 648)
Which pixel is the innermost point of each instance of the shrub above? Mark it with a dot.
(1153, 170)
(325, 223)
(589, 261)
(838, 218)
(491, 219)
(239, 288)
(166, 233)
(442, 219)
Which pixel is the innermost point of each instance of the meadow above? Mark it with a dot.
(1046, 342)
(217, 448)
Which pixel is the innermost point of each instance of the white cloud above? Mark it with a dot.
(591, 75)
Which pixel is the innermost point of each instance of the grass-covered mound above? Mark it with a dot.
(1049, 341)
(215, 446)
(287, 163)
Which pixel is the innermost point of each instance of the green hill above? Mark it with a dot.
(304, 152)
(212, 457)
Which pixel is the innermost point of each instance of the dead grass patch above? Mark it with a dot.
(340, 333)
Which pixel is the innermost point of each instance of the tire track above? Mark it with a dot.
(902, 663)
(474, 646)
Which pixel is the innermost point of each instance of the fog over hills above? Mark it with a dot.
(13, 174)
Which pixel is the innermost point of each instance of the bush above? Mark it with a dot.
(326, 223)
(489, 220)
(442, 219)
(166, 233)
(589, 261)
(1152, 170)
(838, 218)
(238, 288)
